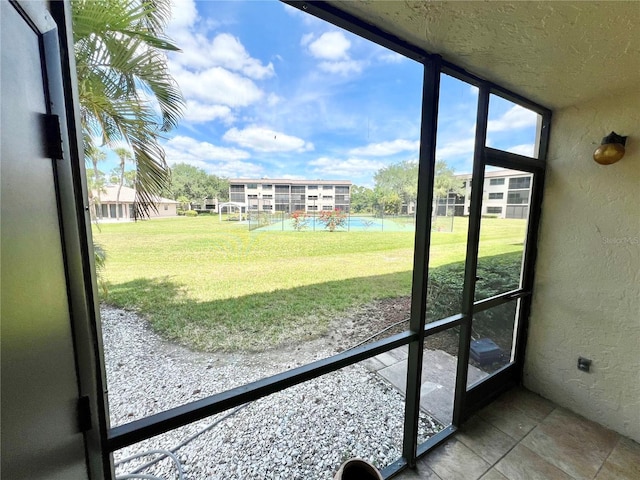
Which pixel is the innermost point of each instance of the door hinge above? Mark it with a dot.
(52, 136)
(84, 414)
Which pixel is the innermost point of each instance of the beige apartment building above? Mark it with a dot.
(286, 195)
(506, 194)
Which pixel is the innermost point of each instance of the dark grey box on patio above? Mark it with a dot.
(485, 351)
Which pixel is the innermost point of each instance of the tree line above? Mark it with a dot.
(396, 187)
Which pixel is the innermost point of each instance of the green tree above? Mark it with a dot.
(219, 187)
(95, 178)
(445, 182)
(390, 202)
(399, 178)
(124, 155)
(363, 199)
(195, 184)
(130, 178)
(119, 48)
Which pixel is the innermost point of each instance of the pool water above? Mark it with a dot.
(355, 223)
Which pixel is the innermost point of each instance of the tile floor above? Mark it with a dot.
(522, 436)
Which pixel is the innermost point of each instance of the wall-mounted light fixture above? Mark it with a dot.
(611, 150)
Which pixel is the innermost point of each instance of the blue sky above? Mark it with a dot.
(274, 92)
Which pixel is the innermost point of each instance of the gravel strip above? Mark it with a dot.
(304, 432)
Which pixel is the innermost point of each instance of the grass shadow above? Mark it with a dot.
(265, 320)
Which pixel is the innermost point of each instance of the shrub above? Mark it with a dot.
(300, 220)
(191, 213)
(333, 219)
(498, 274)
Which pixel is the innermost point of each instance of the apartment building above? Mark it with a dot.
(506, 194)
(286, 195)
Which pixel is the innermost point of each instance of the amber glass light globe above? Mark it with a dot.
(608, 153)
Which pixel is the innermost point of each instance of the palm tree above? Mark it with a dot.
(96, 184)
(124, 155)
(122, 73)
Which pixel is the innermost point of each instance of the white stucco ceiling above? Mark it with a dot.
(555, 53)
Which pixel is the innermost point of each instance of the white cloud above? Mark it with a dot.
(273, 99)
(218, 86)
(386, 148)
(514, 118)
(343, 67)
(226, 162)
(349, 168)
(391, 57)
(330, 46)
(183, 14)
(196, 112)
(216, 74)
(183, 146)
(226, 51)
(266, 140)
(455, 148)
(306, 39)
(332, 49)
(524, 149)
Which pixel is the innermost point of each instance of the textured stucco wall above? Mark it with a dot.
(587, 291)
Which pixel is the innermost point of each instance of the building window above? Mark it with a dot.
(518, 197)
(267, 207)
(312, 208)
(342, 190)
(496, 196)
(327, 207)
(327, 187)
(252, 186)
(496, 181)
(327, 197)
(521, 182)
(166, 207)
(312, 187)
(297, 189)
(267, 187)
(236, 193)
(313, 197)
(494, 210)
(267, 197)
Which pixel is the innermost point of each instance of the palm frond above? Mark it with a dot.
(120, 52)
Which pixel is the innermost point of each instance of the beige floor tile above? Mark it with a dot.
(485, 440)
(575, 445)
(421, 472)
(493, 474)
(523, 464)
(533, 405)
(623, 463)
(455, 461)
(505, 416)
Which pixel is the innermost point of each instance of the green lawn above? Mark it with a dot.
(216, 286)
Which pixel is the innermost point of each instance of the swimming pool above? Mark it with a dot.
(353, 223)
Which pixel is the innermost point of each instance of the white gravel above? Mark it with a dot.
(304, 432)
